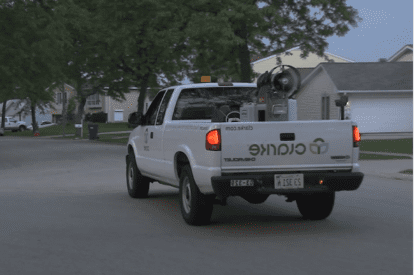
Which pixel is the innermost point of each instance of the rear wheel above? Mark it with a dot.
(196, 207)
(22, 128)
(137, 184)
(316, 206)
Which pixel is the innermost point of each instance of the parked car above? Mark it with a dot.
(44, 124)
(14, 125)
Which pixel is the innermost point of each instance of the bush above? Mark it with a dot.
(100, 117)
(88, 117)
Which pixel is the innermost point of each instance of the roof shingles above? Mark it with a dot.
(371, 76)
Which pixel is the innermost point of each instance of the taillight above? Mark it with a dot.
(213, 141)
(356, 136)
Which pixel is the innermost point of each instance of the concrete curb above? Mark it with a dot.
(395, 176)
(387, 154)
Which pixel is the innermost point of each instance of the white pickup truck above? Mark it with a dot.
(182, 142)
(13, 124)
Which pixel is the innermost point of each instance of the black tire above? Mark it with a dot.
(255, 199)
(137, 184)
(196, 207)
(22, 128)
(316, 206)
(14, 131)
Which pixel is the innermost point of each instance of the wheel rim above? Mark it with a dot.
(186, 195)
(130, 177)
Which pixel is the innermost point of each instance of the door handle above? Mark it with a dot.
(151, 135)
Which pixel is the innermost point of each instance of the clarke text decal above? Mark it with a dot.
(317, 147)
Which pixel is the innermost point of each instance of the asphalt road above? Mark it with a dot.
(64, 209)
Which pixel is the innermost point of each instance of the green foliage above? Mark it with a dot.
(224, 34)
(144, 43)
(70, 113)
(100, 117)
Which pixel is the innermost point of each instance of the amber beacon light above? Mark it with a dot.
(205, 79)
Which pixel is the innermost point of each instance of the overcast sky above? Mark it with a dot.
(386, 27)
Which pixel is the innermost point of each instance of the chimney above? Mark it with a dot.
(383, 60)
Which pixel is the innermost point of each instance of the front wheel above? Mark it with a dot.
(316, 206)
(196, 207)
(137, 184)
(22, 128)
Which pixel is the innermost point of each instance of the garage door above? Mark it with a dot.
(118, 115)
(381, 113)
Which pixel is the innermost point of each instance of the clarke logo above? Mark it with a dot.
(317, 147)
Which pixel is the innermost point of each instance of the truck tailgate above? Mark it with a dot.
(287, 146)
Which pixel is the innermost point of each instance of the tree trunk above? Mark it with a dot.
(81, 105)
(64, 109)
(79, 117)
(143, 93)
(33, 113)
(3, 114)
(243, 52)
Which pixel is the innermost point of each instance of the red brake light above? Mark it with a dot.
(356, 136)
(213, 140)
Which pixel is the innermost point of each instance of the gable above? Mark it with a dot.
(304, 65)
(404, 54)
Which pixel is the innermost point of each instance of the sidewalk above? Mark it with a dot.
(106, 133)
(387, 168)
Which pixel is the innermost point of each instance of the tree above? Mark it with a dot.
(237, 29)
(32, 43)
(144, 43)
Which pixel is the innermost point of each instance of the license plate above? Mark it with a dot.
(289, 181)
(235, 183)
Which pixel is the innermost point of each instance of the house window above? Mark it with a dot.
(59, 99)
(325, 107)
(93, 100)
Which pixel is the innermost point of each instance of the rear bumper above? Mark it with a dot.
(264, 184)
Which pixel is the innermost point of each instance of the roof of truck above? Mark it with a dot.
(209, 85)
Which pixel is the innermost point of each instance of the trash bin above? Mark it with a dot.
(93, 131)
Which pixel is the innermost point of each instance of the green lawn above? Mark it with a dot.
(403, 146)
(409, 171)
(70, 129)
(364, 156)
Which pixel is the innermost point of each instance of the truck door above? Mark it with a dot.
(147, 161)
(158, 136)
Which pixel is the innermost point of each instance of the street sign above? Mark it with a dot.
(78, 125)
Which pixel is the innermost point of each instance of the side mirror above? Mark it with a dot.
(135, 119)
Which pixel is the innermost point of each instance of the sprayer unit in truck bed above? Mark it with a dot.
(215, 140)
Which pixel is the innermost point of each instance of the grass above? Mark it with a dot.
(408, 171)
(401, 146)
(70, 129)
(364, 156)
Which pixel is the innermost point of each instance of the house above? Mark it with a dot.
(404, 54)
(117, 111)
(305, 66)
(379, 95)
(18, 110)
